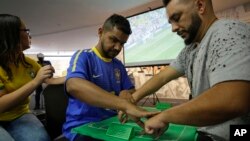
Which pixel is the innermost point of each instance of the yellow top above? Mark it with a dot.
(21, 76)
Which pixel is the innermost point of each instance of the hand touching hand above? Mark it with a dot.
(125, 94)
(136, 113)
(44, 73)
(123, 118)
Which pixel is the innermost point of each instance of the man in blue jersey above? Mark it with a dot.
(95, 79)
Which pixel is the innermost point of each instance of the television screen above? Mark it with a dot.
(152, 41)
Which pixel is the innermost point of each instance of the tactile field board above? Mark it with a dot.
(99, 130)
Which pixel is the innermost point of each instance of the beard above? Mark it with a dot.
(110, 53)
(193, 28)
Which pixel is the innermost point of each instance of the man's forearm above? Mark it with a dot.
(90, 93)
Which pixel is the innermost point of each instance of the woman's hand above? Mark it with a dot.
(44, 73)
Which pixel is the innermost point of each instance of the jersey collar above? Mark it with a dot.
(100, 56)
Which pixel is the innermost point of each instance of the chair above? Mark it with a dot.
(55, 109)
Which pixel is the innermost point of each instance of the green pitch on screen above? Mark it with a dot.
(164, 45)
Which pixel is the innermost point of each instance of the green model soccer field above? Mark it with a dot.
(162, 46)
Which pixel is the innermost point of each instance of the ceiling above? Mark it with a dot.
(68, 25)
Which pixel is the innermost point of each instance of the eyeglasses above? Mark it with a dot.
(26, 30)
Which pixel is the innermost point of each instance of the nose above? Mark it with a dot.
(118, 46)
(175, 27)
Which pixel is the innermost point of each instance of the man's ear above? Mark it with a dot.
(201, 6)
(100, 31)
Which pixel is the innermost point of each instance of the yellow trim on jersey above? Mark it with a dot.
(94, 49)
(75, 60)
(100, 56)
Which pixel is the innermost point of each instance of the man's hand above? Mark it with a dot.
(156, 125)
(125, 94)
(135, 113)
(123, 118)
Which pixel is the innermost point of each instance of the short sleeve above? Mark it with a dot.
(229, 54)
(78, 66)
(126, 82)
(179, 63)
(35, 65)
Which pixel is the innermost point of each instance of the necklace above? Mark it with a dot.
(206, 29)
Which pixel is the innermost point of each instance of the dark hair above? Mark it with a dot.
(10, 49)
(117, 21)
(165, 2)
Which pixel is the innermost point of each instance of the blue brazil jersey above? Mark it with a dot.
(109, 74)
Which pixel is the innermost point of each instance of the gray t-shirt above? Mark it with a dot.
(222, 55)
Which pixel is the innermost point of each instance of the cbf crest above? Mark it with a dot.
(117, 75)
(32, 73)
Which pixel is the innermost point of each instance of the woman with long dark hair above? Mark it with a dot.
(19, 77)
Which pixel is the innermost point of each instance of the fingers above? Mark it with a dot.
(159, 132)
(132, 100)
(126, 95)
(155, 132)
(49, 68)
(151, 114)
(149, 130)
(140, 123)
(47, 71)
(147, 114)
(142, 132)
(44, 73)
(122, 117)
(119, 115)
(139, 112)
